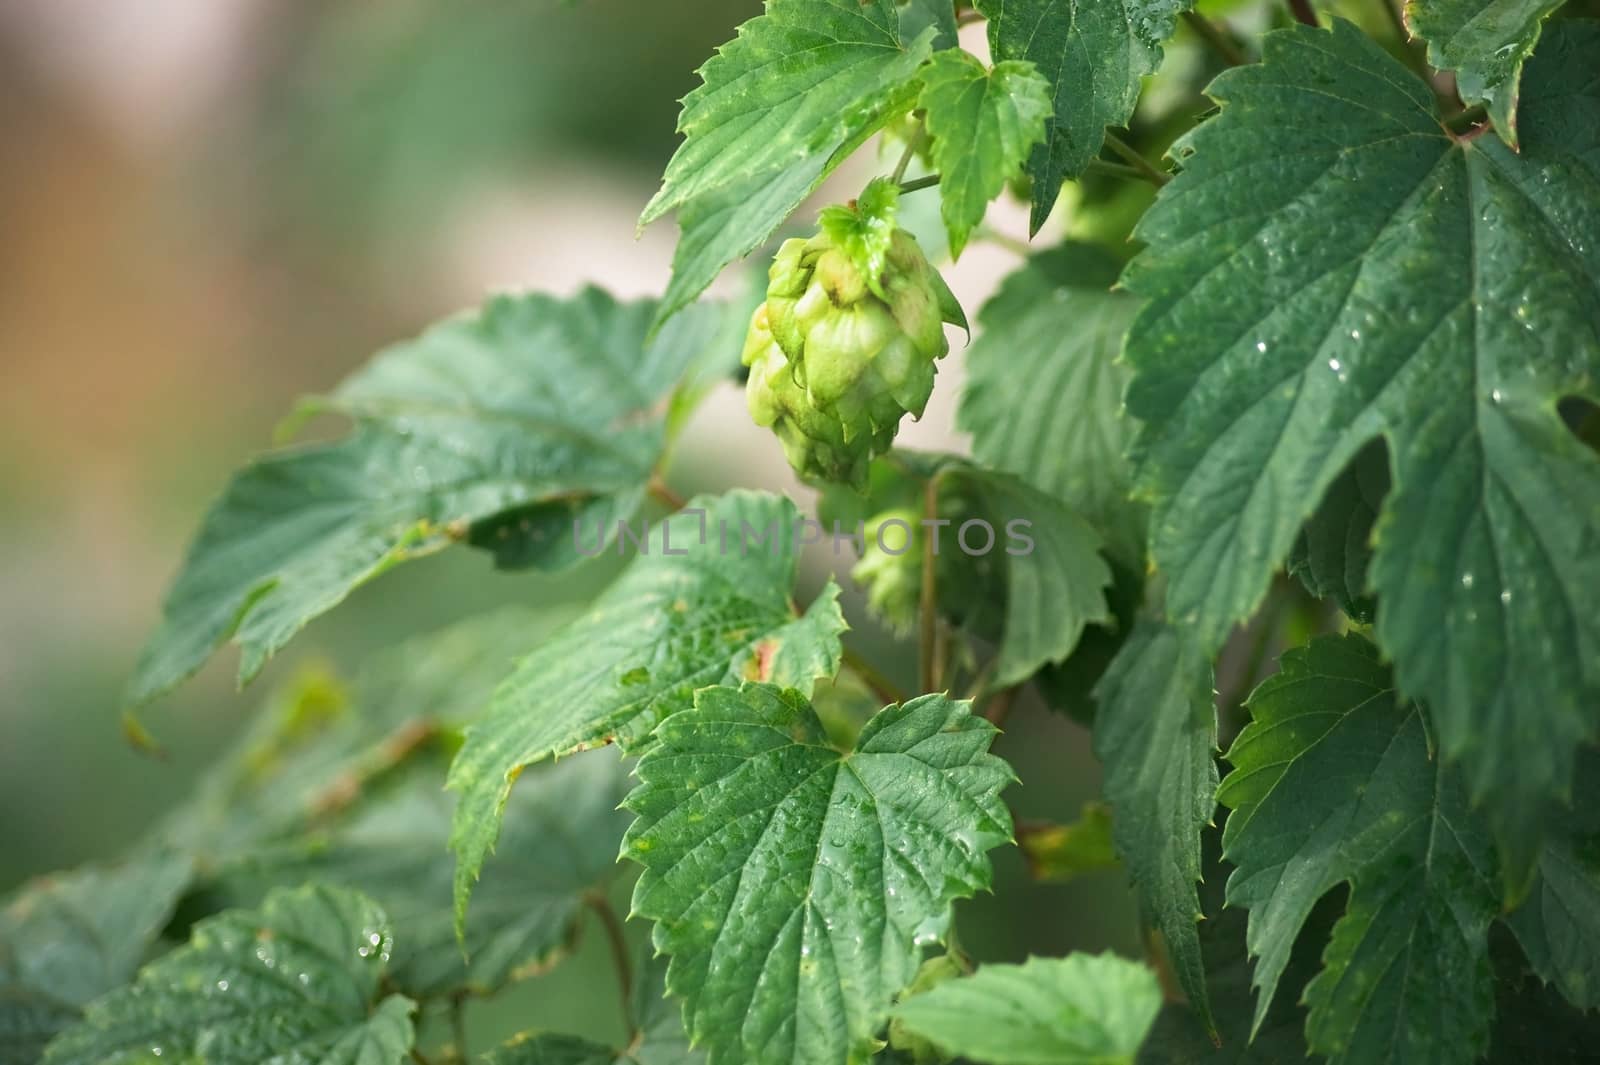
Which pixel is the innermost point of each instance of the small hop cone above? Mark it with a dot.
(845, 344)
(891, 567)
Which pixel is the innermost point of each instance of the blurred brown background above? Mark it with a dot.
(211, 207)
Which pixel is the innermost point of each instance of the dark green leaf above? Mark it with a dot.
(1094, 55)
(562, 833)
(1155, 732)
(531, 402)
(1055, 580)
(1485, 42)
(1043, 398)
(1331, 266)
(1333, 784)
(708, 604)
(794, 886)
(318, 744)
(1180, 1038)
(68, 939)
(1559, 924)
(297, 981)
(1080, 1010)
(1333, 552)
(917, 15)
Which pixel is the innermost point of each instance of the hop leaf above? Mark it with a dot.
(794, 886)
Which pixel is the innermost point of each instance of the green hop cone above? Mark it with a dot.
(845, 344)
(891, 567)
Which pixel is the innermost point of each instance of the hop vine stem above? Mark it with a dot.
(617, 940)
(913, 143)
(870, 675)
(1215, 39)
(919, 183)
(662, 493)
(927, 659)
(1136, 161)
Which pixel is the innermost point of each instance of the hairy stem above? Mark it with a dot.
(1218, 41)
(1136, 161)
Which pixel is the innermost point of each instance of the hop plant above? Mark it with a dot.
(845, 344)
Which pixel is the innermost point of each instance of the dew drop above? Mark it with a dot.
(1505, 596)
(1335, 365)
(1466, 580)
(1261, 345)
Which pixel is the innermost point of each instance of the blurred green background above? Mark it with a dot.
(210, 207)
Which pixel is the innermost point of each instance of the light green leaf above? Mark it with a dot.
(1485, 42)
(864, 229)
(1043, 397)
(983, 123)
(1094, 55)
(1155, 732)
(1083, 1009)
(1332, 266)
(549, 409)
(784, 103)
(561, 839)
(1065, 852)
(708, 603)
(1333, 783)
(1559, 924)
(1055, 582)
(297, 981)
(68, 939)
(794, 885)
(797, 80)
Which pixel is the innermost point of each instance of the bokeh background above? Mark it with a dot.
(211, 207)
